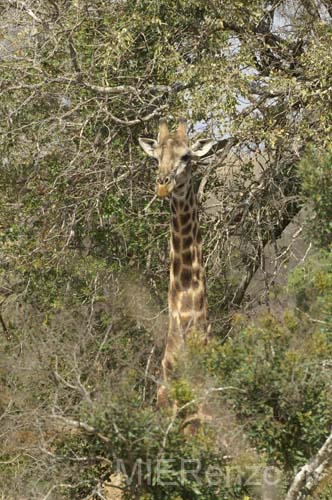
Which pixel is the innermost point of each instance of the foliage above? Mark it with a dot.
(316, 173)
(84, 254)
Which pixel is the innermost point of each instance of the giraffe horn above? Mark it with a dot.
(182, 129)
(163, 130)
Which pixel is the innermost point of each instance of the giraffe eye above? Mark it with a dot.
(185, 158)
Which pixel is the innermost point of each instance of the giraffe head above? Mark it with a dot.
(174, 156)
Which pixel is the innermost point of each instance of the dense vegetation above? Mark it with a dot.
(84, 247)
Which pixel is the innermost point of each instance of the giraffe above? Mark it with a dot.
(187, 299)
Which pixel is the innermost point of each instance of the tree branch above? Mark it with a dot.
(116, 90)
(23, 7)
(77, 424)
(311, 473)
(154, 114)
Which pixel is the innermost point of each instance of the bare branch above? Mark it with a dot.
(155, 114)
(311, 473)
(23, 7)
(116, 90)
(77, 424)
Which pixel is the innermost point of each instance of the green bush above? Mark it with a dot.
(316, 178)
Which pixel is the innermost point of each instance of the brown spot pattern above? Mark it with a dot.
(195, 284)
(186, 229)
(185, 218)
(186, 277)
(173, 296)
(177, 285)
(176, 243)
(191, 198)
(176, 265)
(187, 242)
(175, 223)
(199, 301)
(187, 258)
(174, 205)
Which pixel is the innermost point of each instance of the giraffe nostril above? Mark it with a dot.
(164, 180)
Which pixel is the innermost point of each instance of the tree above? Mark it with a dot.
(81, 80)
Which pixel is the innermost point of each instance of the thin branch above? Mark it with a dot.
(62, 485)
(74, 57)
(121, 89)
(116, 90)
(77, 424)
(23, 7)
(146, 372)
(155, 114)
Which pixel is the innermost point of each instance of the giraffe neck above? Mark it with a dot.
(187, 291)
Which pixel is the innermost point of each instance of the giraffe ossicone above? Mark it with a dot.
(187, 299)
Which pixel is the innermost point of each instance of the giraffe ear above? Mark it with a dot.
(148, 145)
(201, 147)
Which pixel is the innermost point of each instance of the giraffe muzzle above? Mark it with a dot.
(165, 186)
